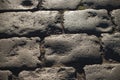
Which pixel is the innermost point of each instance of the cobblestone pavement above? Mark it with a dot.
(59, 39)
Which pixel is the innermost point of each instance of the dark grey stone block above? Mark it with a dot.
(18, 4)
(89, 21)
(60, 4)
(54, 73)
(101, 4)
(28, 23)
(19, 52)
(102, 72)
(68, 48)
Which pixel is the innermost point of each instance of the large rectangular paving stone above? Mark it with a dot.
(18, 4)
(111, 44)
(54, 73)
(28, 23)
(116, 17)
(89, 20)
(70, 48)
(60, 4)
(19, 52)
(102, 72)
(101, 4)
(5, 75)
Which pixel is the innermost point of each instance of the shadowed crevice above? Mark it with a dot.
(27, 3)
(110, 54)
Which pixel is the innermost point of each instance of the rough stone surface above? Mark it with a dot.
(112, 43)
(68, 48)
(59, 39)
(60, 4)
(28, 23)
(18, 4)
(55, 73)
(103, 72)
(19, 52)
(5, 75)
(88, 20)
(115, 14)
(106, 4)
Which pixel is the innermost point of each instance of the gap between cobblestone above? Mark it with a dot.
(39, 4)
(62, 20)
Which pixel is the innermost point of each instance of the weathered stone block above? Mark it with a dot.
(88, 20)
(55, 73)
(28, 23)
(5, 75)
(68, 48)
(60, 4)
(112, 43)
(102, 72)
(19, 52)
(116, 17)
(101, 4)
(18, 4)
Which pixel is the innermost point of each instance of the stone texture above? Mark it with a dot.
(115, 14)
(5, 75)
(108, 4)
(68, 48)
(54, 73)
(18, 4)
(28, 23)
(112, 43)
(33, 48)
(19, 52)
(88, 20)
(60, 4)
(103, 72)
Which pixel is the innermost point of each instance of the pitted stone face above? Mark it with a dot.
(19, 52)
(102, 72)
(28, 23)
(101, 4)
(89, 21)
(60, 4)
(54, 73)
(18, 4)
(115, 15)
(112, 43)
(68, 48)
